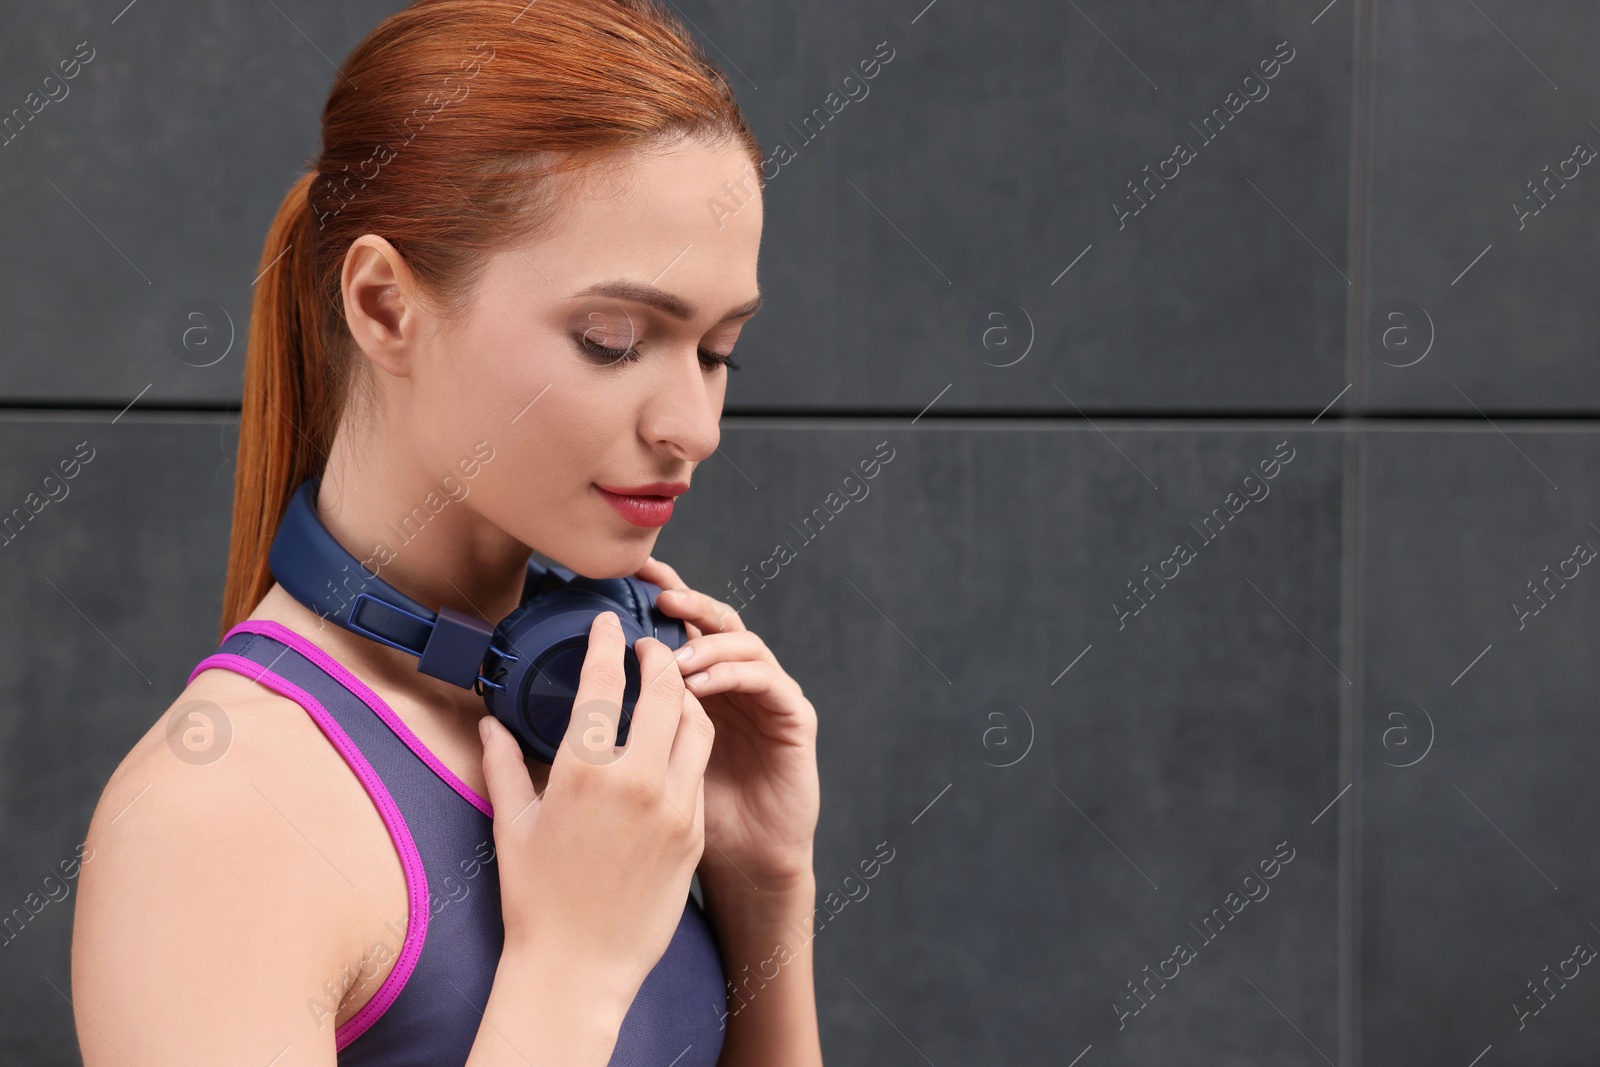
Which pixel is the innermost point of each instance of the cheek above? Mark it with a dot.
(467, 392)
(508, 373)
(560, 442)
(521, 390)
(537, 485)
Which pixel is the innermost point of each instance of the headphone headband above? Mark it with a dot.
(527, 656)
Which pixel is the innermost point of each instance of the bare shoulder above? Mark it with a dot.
(226, 871)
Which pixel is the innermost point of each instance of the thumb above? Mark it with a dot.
(511, 791)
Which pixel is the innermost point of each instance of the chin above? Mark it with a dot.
(619, 560)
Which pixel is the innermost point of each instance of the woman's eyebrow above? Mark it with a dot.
(662, 300)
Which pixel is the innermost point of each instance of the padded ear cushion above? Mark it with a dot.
(541, 580)
(637, 598)
(641, 598)
(633, 597)
(635, 601)
(549, 636)
(663, 627)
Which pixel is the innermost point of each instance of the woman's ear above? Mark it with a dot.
(381, 304)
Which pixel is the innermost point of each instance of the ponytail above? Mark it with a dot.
(439, 134)
(285, 416)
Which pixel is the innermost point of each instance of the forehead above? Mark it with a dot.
(676, 190)
(686, 217)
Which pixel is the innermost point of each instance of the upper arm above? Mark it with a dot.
(202, 933)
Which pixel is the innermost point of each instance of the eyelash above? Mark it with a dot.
(609, 356)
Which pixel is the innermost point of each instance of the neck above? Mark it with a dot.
(406, 527)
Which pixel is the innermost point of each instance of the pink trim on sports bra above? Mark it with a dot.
(399, 833)
(277, 631)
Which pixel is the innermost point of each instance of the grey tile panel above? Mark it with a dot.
(1484, 208)
(987, 153)
(1479, 744)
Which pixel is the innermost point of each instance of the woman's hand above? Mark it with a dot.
(605, 831)
(761, 791)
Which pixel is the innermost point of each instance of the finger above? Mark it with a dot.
(703, 651)
(657, 712)
(597, 704)
(699, 821)
(710, 615)
(664, 576)
(658, 573)
(691, 751)
(511, 791)
(756, 677)
(700, 807)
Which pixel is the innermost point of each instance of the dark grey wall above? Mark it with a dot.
(1340, 275)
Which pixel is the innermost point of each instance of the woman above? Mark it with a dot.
(497, 316)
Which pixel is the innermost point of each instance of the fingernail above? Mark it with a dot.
(684, 653)
(696, 679)
(483, 729)
(609, 618)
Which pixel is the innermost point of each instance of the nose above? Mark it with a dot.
(681, 412)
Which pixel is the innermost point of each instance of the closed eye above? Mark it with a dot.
(611, 356)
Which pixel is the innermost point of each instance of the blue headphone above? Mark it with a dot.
(526, 668)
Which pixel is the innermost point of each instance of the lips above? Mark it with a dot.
(653, 489)
(643, 505)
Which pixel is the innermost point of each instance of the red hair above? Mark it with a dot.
(439, 135)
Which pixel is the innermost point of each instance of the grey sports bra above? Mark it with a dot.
(428, 1010)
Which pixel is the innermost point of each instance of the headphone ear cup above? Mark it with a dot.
(548, 640)
(665, 628)
(635, 598)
